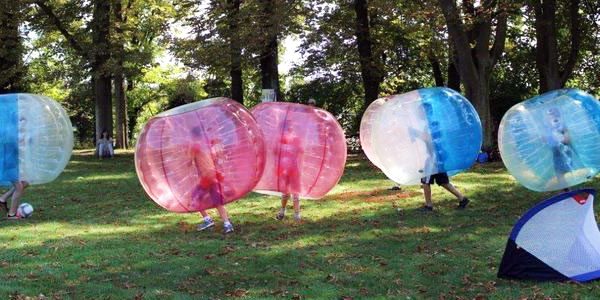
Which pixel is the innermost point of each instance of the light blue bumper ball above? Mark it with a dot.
(552, 141)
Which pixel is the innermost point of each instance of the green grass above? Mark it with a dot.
(95, 234)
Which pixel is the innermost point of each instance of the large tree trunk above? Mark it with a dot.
(122, 137)
(372, 76)
(11, 48)
(119, 79)
(237, 84)
(479, 94)
(453, 75)
(100, 69)
(551, 76)
(475, 65)
(268, 56)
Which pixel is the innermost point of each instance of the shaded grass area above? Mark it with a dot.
(96, 235)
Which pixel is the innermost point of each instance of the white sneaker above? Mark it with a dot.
(207, 224)
(227, 228)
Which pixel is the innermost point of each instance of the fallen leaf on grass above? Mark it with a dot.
(18, 296)
(128, 285)
(490, 286)
(32, 276)
(185, 227)
(236, 293)
(226, 250)
(279, 293)
(331, 278)
(209, 272)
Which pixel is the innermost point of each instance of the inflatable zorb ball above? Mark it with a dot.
(421, 133)
(36, 139)
(200, 155)
(550, 142)
(305, 150)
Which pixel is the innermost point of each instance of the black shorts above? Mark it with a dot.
(439, 178)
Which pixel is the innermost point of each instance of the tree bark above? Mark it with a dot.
(237, 84)
(11, 48)
(436, 69)
(453, 75)
(475, 65)
(268, 56)
(551, 76)
(98, 57)
(100, 69)
(121, 137)
(371, 74)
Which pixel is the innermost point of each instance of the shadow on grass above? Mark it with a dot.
(99, 237)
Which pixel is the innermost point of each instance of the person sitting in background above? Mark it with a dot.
(104, 146)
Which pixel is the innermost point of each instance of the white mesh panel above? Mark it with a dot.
(565, 236)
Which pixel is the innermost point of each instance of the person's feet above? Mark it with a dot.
(207, 224)
(227, 228)
(13, 217)
(297, 217)
(425, 209)
(463, 203)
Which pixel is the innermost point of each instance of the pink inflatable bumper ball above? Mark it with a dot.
(200, 155)
(305, 149)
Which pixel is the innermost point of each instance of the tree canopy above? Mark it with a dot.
(115, 63)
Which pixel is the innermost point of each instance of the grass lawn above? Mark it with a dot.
(95, 234)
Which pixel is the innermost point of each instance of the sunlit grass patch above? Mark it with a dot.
(95, 234)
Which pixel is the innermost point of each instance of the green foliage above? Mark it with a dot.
(337, 96)
(407, 37)
(158, 90)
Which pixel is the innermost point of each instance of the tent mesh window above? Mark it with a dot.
(558, 239)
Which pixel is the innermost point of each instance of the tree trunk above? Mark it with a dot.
(121, 137)
(475, 65)
(436, 68)
(453, 75)
(237, 84)
(479, 94)
(268, 56)
(371, 74)
(11, 48)
(100, 69)
(551, 76)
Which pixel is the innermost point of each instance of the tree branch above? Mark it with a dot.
(499, 37)
(60, 26)
(461, 43)
(575, 30)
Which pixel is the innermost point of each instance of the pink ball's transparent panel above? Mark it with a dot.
(305, 149)
(200, 155)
